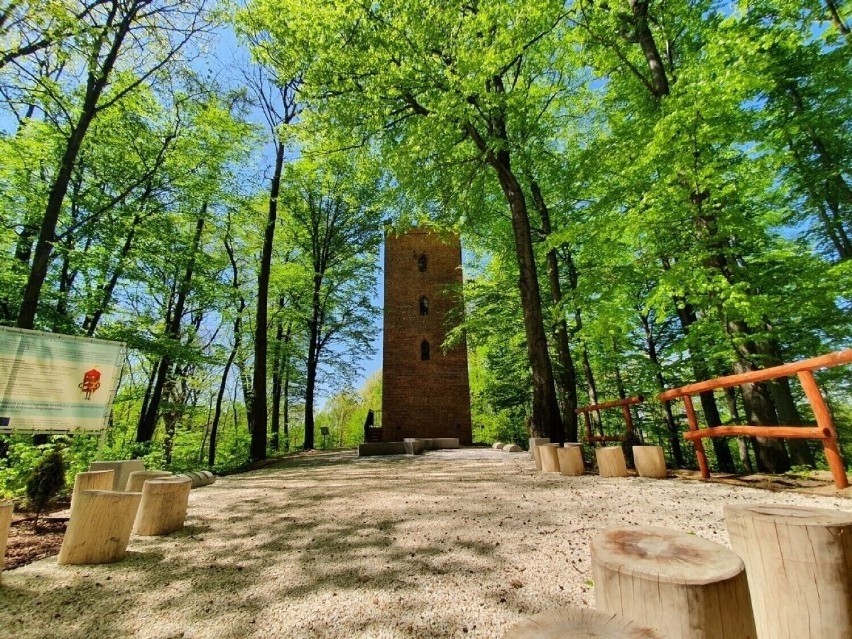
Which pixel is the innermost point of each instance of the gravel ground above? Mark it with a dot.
(461, 543)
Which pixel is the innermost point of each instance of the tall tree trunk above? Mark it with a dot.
(96, 81)
(642, 34)
(546, 419)
(148, 419)
(314, 347)
(566, 374)
(742, 442)
(282, 362)
(259, 403)
(671, 425)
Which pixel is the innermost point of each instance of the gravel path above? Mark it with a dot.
(460, 543)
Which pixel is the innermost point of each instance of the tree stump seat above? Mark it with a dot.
(207, 477)
(611, 461)
(683, 585)
(549, 457)
(535, 442)
(799, 566)
(650, 461)
(497, 445)
(579, 623)
(92, 480)
(571, 460)
(163, 506)
(6, 509)
(122, 468)
(512, 448)
(99, 528)
(137, 479)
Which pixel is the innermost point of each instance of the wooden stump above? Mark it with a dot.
(99, 528)
(571, 460)
(579, 623)
(137, 479)
(799, 565)
(611, 461)
(497, 445)
(208, 477)
(534, 443)
(6, 509)
(650, 461)
(683, 585)
(512, 448)
(122, 468)
(549, 458)
(92, 480)
(163, 507)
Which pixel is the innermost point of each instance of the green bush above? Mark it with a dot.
(46, 481)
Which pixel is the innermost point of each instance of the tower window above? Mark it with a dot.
(424, 306)
(421, 263)
(424, 350)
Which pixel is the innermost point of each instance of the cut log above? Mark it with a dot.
(799, 565)
(137, 479)
(534, 442)
(611, 461)
(163, 507)
(208, 477)
(512, 448)
(197, 479)
(99, 528)
(650, 461)
(571, 461)
(6, 509)
(122, 468)
(579, 623)
(497, 445)
(92, 480)
(683, 585)
(549, 457)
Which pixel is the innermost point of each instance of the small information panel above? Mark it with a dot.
(51, 383)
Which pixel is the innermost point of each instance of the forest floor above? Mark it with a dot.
(460, 543)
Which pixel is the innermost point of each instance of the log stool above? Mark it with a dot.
(6, 508)
(650, 461)
(799, 565)
(512, 448)
(683, 585)
(163, 507)
(534, 442)
(611, 461)
(207, 477)
(137, 479)
(549, 457)
(497, 445)
(122, 468)
(99, 528)
(579, 623)
(571, 460)
(92, 480)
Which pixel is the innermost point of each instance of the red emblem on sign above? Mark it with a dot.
(91, 382)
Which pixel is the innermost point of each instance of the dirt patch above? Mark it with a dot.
(26, 544)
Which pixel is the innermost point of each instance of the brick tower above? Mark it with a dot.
(425, 391)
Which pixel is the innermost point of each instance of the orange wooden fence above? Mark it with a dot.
(625, 405)
(824, 430)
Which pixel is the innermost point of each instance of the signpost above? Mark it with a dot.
(51, 383)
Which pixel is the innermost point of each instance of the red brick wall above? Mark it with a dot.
(422, 398)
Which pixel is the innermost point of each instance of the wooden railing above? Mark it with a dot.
(624, 404)
(824, 430)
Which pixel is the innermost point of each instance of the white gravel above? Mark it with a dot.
(460, 543)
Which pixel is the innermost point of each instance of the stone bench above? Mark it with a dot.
(6, 509)
(163, 506)
(122, 468)
(99, 528)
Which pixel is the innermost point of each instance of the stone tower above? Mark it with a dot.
(425, 391)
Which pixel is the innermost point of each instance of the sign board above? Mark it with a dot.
(51, 383)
